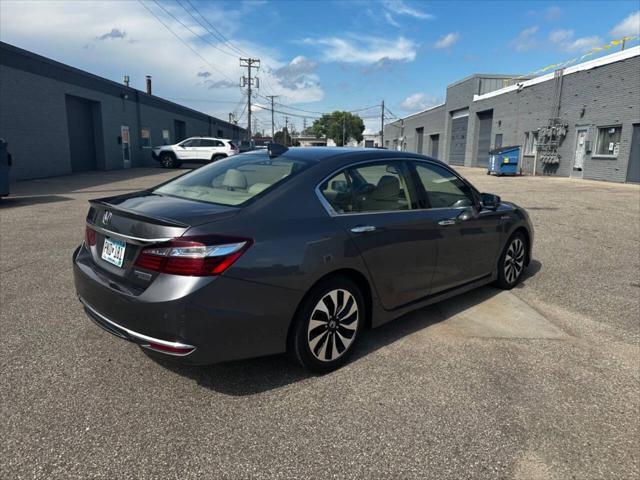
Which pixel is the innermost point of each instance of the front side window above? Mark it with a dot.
(608, 141)
(193, 142)
(443, 188)
(378, 187)
(234, 181)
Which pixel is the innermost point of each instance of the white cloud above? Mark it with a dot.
(447, 40)
(419, 101)
(627, 27)
(559, 36)
(364, 50)
(525, 39)
(394, 8)
(565, 41)
(552, 13)
(68, 32)
(583, 44)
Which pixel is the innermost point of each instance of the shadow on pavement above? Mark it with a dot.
(80, 182)
(10, 202)
(248, 377)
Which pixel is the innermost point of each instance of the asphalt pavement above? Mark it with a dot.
(542, 382)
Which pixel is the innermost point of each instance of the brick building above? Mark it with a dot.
(582, 121)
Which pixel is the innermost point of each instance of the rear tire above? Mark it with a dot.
(217, 157)
(167, 160)
(327, 325)
(512, 262)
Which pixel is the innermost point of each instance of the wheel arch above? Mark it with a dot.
(527, 236)
(352, 274)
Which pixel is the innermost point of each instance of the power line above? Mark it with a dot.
(182, 40)
(194, 33)
(220, 34)
(205, 27)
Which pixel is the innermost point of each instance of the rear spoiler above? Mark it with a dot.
(125, 212)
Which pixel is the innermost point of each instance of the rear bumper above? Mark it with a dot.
(221, 317)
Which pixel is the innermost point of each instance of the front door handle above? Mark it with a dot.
(363, 229)
(447, 222)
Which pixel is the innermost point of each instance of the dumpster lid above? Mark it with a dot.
(497, 151)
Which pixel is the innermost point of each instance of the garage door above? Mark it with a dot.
(459, 121)
(81, 134)
(485, 120)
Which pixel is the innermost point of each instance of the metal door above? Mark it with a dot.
(435, 141)
(633, 170)
(419, 139)
(580, 152)
(126, 146)
(82, 147)
(459, 122)
(484, 138)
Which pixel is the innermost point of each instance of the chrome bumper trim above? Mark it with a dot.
(139, 338)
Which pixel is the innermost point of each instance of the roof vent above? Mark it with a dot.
(275, 149)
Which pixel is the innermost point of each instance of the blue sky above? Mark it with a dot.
(318, 56)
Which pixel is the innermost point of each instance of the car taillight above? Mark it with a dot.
(194, 256)
(89, 236)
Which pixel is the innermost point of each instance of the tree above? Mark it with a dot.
(283, 137)
(331, 125)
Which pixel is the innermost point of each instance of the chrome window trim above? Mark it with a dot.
(127, 238)
(140, 336)
(331, 211)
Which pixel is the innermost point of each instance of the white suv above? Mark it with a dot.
(194, 149)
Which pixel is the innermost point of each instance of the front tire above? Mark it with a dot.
(168, 161)
(328, 325)
(512, 262)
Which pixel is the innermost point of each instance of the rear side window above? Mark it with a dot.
(234, 180)
(207, 143)
(378, 187)
(443, 188)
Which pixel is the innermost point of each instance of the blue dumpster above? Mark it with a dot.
(504, 161)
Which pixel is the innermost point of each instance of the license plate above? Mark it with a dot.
(113, 251)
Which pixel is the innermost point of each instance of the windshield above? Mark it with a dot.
(234, 180)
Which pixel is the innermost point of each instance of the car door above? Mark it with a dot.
(187, 150)
(377, 205)
(468, 235)
(206, 148)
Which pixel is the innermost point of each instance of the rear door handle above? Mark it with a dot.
(447, 222)
(363, 229)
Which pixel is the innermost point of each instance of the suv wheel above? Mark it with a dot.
(217, 156)
(168, 161)
(512, 262)
(328, 325)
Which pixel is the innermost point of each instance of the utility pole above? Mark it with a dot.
(343, 119)
(304, 124)
(248, 82)
(273, 128)
(286, 129)
(382, 125)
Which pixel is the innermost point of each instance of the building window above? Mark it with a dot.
(220, 134)
(145, 136)
(608, 141)
(530, 143)
(166, 137)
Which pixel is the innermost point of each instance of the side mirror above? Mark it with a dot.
(490, 201)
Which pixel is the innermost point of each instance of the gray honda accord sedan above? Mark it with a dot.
(291, 250)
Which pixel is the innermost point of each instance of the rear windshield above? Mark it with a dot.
(233, 145)
(234, 180)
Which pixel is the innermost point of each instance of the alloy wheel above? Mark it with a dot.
(514, 260)
(333, 325)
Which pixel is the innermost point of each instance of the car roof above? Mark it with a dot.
(208, 138)
(320, 154)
